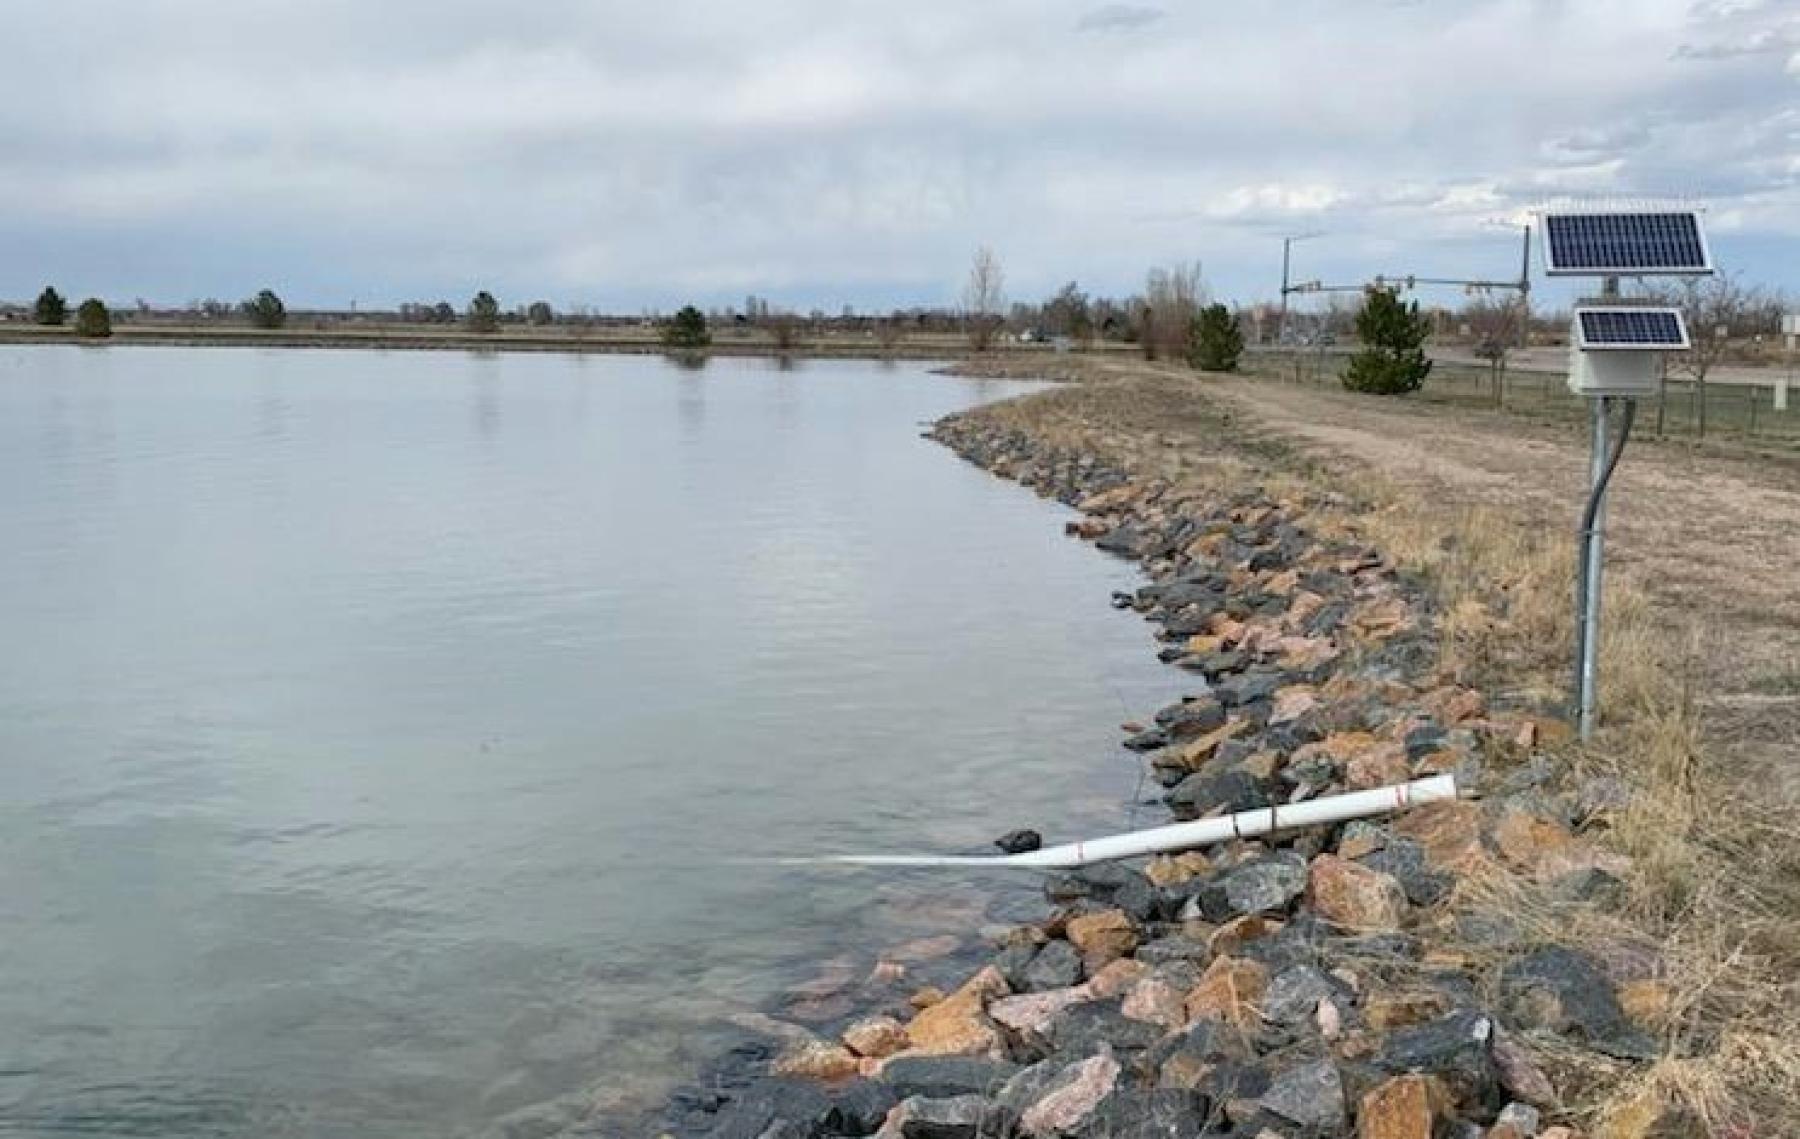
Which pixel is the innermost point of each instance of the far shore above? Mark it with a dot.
(923, 346)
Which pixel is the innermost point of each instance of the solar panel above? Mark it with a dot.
(1644, 329)
(1625, 244)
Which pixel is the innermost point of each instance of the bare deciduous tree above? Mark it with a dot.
(983, 299)
(889, 329)
(785, 327)
(1172, 298)
(1713, 307)
(1495, 322)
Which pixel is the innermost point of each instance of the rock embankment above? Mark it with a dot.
(1319, 983)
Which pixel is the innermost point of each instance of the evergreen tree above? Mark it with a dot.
(51, 308)
(92, 320)
(265, 310)
(484, 313)
(1217, 342)
(1392, 361)
(687, 329)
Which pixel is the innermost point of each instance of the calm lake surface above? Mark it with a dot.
(389, 738)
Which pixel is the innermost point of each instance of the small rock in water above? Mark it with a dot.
(1019, 841)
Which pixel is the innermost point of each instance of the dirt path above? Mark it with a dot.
(1716, 540)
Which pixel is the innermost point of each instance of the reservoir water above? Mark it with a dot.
(395, 741)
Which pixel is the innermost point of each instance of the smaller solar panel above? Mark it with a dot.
(1626, 245)
(1634, 328)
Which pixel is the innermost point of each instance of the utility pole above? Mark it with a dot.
(1287, 250)
(1287, 247)
(1525, 288)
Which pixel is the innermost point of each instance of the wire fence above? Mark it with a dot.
(1682, 408)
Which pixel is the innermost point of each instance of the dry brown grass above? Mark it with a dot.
(1713, 882)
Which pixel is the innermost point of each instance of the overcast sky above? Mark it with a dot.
(830, 152)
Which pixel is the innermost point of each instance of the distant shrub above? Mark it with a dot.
(1217, 342)
(889, 330)
(50, 309)
(540, 313)
(484, 313)
(1392, 361)
(687, 329)
(265, 310)
(92, 320)
(786, 329)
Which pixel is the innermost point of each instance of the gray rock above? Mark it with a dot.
(1192, 717)
(1204, 792)
(1315, 770)
(1086, 1029)
(1405, 860)
(1567, 992)
(1363, 830)
(1295, 993)
(1056, 966)
(1030, 1085)
(1151, 1113)
(943, 1076)
(1457, 1048)
(1249, 687)
(1590, 885)
(859, 1107)
(1123, 540)
(1534, 773)
(1204, 1039)
(1423, 740)
(1521, 1117)
(1148, 740)
(1165, 950)
(752, 1112)
(956, 1117)
(1138, 898)
(1264, 885)
(1209, 590)
(1013, 961)
(1603, 794)
(1311, 1095)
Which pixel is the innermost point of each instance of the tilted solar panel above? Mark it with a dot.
(1639, 328)
(1625, 244)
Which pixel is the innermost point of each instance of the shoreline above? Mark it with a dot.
(1303, 986)
(934, 348)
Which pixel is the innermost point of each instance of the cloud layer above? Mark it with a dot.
(632, 156)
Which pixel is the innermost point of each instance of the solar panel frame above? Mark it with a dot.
(1648, 244)
(1628, 335)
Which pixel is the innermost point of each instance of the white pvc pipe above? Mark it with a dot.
(1186, 836)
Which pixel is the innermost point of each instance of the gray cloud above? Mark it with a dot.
(1119, 18)
(600, 152)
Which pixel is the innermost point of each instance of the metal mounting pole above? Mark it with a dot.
(1587, 594)
(1287, 246)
